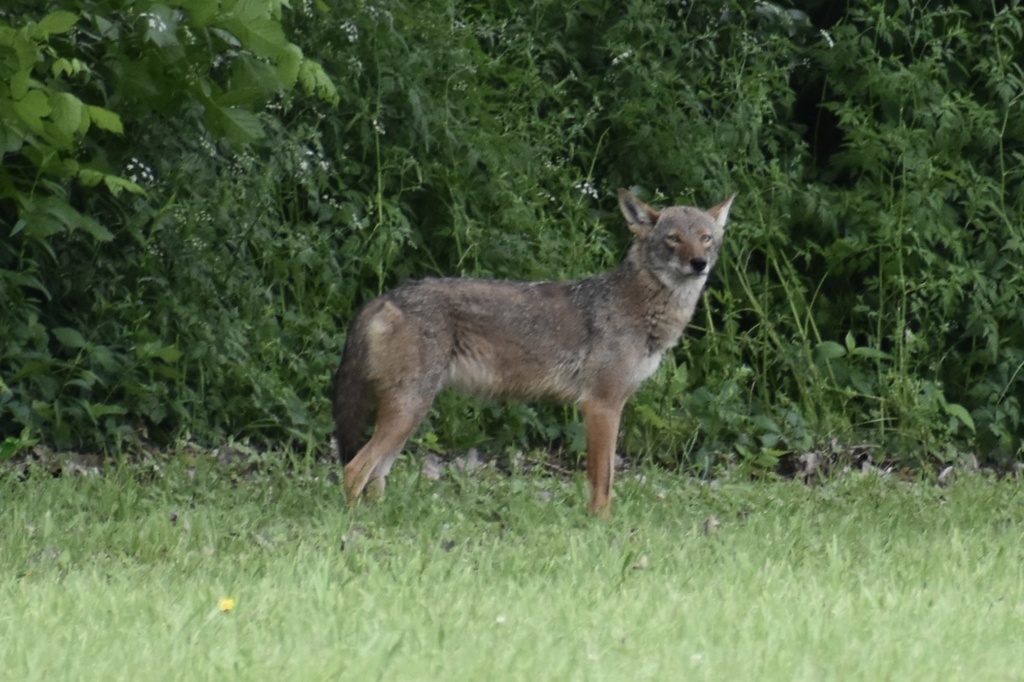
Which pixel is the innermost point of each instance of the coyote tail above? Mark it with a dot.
(353, 396)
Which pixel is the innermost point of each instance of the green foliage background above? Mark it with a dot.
(195, 197)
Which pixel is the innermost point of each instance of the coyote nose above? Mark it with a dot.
(698, 264)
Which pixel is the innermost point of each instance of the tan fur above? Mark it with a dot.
(591, 342)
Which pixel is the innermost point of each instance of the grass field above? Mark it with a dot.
(189, 573)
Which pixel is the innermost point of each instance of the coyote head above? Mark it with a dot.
(678, 243)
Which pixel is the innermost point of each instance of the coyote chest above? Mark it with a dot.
(647, 366)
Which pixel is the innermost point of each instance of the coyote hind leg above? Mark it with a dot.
(395, 423)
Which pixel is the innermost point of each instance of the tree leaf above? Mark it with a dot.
(288, 64)
(265, 37)
(238, 125)
(20, 82)
(90, 177)
(9, 448)
(98, 410)
(67, 114)
(253, 82)
(72, 338)
(57, 22)
(829, 350)
(24, 47)
(202, 12)
(316, 81)
(116, 184)
(106, 119)
(47, 215)
(32, 108)
(95, 230)
(873, 353)
(61, 66)
(960, 413)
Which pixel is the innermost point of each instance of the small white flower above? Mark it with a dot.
(587, 188)
(139, 172)
(154, 22)
(827, 37)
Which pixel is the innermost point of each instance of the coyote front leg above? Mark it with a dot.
(601, 423)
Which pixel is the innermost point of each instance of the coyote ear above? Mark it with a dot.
(721, 212)
(640, 216)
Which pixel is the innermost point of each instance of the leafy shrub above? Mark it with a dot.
(90, 348)
(279, 166)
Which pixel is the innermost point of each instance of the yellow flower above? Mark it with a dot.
(226, 604)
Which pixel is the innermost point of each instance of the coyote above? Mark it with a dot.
(591, 342)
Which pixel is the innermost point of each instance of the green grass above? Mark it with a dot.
(485, 577)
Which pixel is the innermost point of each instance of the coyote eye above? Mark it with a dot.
(672, 241)
(705, 239)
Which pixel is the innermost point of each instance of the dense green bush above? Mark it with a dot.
(130, 189)
(192, 209)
